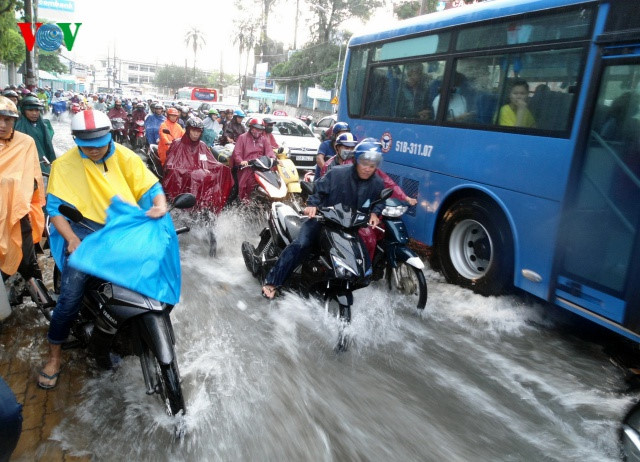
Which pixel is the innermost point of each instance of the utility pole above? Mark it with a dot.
(30, 77)
(295, 27)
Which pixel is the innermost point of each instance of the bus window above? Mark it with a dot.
(403, 91)
(558, 26)
(355, 79)
(482, 87)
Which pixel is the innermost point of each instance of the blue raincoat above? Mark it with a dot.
(133, 251)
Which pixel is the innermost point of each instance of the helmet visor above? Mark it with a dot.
(94, 142)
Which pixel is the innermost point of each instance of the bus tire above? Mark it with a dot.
(474, 246)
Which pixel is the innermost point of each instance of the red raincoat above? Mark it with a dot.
(190, 167)
(249, 148)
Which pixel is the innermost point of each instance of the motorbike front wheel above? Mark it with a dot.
(169, 388)
(409, 281)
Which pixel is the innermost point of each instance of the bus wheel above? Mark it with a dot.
(474, 247)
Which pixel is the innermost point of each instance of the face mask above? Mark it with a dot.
(346, 154)
(269, 129)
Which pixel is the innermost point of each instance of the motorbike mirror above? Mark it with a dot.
(71, 213)
(184, 201)
(166, 131)
(385, 194)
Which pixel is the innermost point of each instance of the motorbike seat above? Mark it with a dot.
(292, 224)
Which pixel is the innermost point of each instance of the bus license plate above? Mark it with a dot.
(304, 158)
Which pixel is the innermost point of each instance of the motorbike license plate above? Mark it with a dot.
(305, 158)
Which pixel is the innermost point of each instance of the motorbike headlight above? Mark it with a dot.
(395, 211)
(341, 268)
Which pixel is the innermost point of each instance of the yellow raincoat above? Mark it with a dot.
(21, 193)
(90, 186)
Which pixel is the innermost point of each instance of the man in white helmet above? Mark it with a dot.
(87, 177)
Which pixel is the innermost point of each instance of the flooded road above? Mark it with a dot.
(469, 378)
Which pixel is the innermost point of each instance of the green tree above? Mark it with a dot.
(331, 13)
(220, 81)
(197, 39)
(406, 10)
(50, 61)
(175, 77)
(246, 27)
(312, 65)
(11, 43)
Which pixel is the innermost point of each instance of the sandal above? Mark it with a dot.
(48, 386)
(269, 292)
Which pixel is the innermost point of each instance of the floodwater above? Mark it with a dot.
(470, 378)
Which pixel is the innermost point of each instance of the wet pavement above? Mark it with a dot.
(23, 348)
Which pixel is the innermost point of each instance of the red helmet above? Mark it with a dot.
(257, 123)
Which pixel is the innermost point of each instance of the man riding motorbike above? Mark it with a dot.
(21, 198)
(348, 185)
(249, 146)
(235, 128)
(152, 124)
(191, 168)
(344, 156)
(268, 132)
(33, 124)
(327, 148)
(212, 127)
(175, 132)
(87, 177)
(117, 111)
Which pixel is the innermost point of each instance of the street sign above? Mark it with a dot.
(334, 100)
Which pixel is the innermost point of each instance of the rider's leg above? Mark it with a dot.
(294, 253)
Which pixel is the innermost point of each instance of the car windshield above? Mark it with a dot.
(288, 128)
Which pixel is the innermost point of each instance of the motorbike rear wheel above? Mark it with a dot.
(409, 281)
(169, 388)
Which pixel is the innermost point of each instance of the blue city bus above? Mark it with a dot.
(515, 123)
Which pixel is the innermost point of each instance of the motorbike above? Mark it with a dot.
(119, 320)
(118, 130)
(75, 108)
(138, 139)
(394, 261)
(153, 161)
(334, 270)
(283, 183)
(59, 107)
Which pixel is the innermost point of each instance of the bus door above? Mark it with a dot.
(599, 245)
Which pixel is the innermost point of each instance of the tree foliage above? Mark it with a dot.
(329, 14)
(11, 43)
(175, 77)
(312, 65)
(218, 80)
(196, 38)
(406, 10)
(50, 61)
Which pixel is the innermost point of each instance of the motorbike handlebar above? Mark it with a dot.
(182, 230)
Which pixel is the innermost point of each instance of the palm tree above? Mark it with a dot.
(196, 38)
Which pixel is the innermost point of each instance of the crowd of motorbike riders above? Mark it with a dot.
(184, 145)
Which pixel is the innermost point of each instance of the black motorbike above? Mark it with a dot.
(394, 261)
(334, 270)
(118, 320)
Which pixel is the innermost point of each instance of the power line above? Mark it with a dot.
(303, 77)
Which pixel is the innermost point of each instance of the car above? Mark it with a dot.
(295, 135)
(324, 124)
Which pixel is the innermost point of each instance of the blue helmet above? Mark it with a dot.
(340, 127)
(369, 149)
(239, 113)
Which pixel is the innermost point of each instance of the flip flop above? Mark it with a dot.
(45, 386)
(266, 289)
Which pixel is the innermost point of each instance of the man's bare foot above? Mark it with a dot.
(268, 291)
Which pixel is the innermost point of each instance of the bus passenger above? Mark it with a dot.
(516, 113)
(413, 98)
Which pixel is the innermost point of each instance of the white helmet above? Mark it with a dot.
(91, 128)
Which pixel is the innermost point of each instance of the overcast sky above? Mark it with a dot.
(153, 30)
